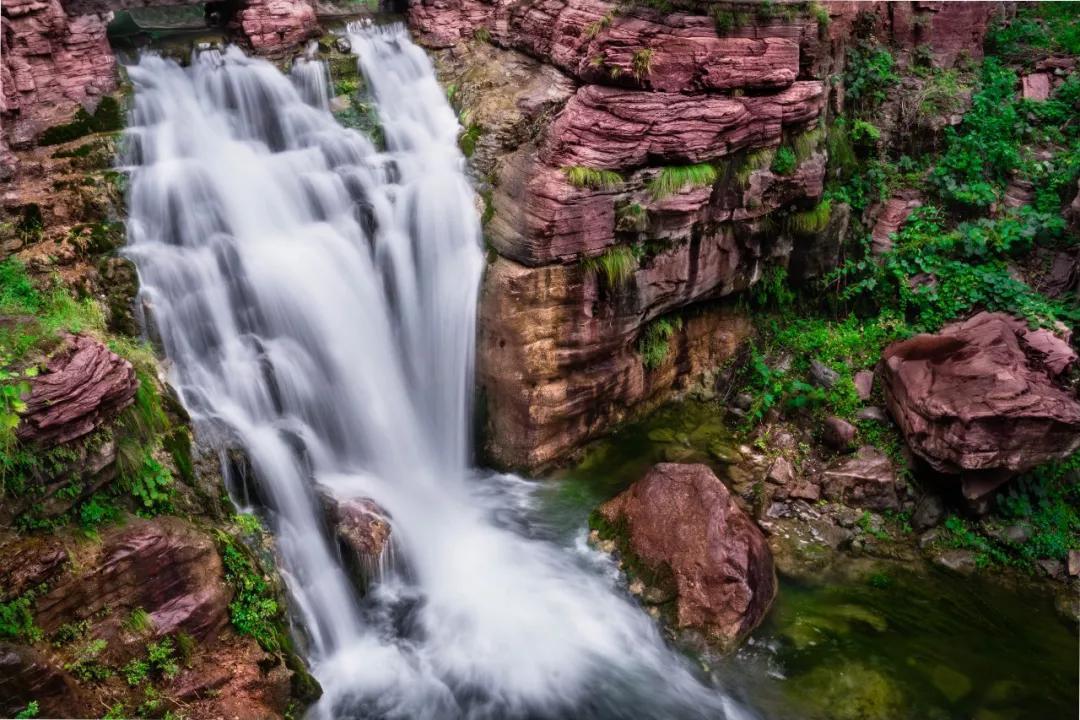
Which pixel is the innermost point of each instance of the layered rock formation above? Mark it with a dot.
(642, 96)
(980, 399)
(57, 59)
(84, 385)
(681, 528)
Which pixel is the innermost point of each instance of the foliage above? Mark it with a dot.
(482, 34)
(593, 29)
(784, 162)
(1037, 28)
(586, 177)
(869, 73)
(864, 134)
(616, 265)
(810, 221)
(806, 143)
(674, 179)
(136, 671)
(653, 345)
(1047, 501)
(139, 621)
(253, 610)
(348, 87)
(30, 711)
(468, 139)
(842, 160)
(757, 160)
(642, 63)
(151, 484)
(17, 619)
(726, 19)
(86, 666)
(107, 117)
(161, 656)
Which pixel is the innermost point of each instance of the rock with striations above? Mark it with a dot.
(276, 26)
(979, 399)
(84, 385)
(27, 675)
(681, 522)
(865, 480)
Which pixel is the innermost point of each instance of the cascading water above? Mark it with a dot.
(316, 299)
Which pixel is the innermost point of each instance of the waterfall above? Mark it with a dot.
(316, 299)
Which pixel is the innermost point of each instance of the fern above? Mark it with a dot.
(675, 179)
(616, 265)
(586, 177)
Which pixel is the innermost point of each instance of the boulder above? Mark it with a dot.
(84, 385)
(864, 384)
(838, 434)
(362, 529)
(979, 399)
(1036, 86)
(681, 523)
(866, 480)
(822, 375)
(781, 472)
(276, 26)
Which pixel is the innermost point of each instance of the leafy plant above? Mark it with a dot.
(784, 162)
(468, 139)
(253, 610)
(86, 666)
(161, 656)
(152, 486)
(869, 73)
(17, 619)
(136, 671)
(30, 711)
(865, 134)
(586, 177)
(674, 179)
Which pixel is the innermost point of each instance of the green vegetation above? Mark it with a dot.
(616, 265)
(864, 134)
(757, 160)
(653, 345)
(139, 621)
(631, 217)
(642, 63)
(810, 222)
(482, 34)
(586, 177)
(593, 29)
(869, 73)
(347, 86)
(784, 162)
(806, 144)
(30, 711)
(17, 619)
(1045, 26)
(253, 611)
(675, 179)
(86, 666)
(469, 137)
(108, 117)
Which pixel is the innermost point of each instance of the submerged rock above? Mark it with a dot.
(682, 528)
(979, 399)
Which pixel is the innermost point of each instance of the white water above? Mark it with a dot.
(316, 299)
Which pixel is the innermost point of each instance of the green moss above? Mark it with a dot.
(108, 117)
(674, 179)
(754, 161)
(810, 222)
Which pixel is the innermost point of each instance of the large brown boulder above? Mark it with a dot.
(84, 385)
(866, 480)
(681, 523)
(979, 398)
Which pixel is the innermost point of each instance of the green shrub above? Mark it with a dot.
(585, 177)
(253, 610)
(806, 143)
(86, 666)
(674, 179)
(136, 671)
(468, 139)
(869, 73)
(30, 711)
(161, 657)
(784, 162)
(757, 160)
(865, 134)
(616, 265)
(17, 619)
(139, 621)
(653, 345)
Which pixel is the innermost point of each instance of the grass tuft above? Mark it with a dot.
(586, 177)
(757, 160)
(810, 222)
(616, 265)
(674, 179)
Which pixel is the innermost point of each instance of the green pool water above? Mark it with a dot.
(874, 640)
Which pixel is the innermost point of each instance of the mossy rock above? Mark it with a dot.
(108, 117)
(849, 691)
(724, 452)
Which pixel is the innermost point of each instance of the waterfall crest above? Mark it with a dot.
(316, 299)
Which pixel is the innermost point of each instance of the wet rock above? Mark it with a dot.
(276, 26)
(838, 434)
(781, 472)
(164, 566)
(849, 691)
(363, 532)
(979, 399)
(29, 562)
(822, 375)
(681, 522)
(724, 452)
(929, 512)
(84, 385)
(864, 384)
(866, 480)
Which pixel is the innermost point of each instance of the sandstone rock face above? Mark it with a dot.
(27, 675)
(681, 521)
(891, 217)
(866, 480)
(164, 566)
(557, 352)
(979, 398)
(276, 26)
(52, 64)
(84, 384)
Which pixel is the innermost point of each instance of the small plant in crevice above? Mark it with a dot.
(17, 619)
(253, 610)
(616, 265)
(810, 222)
(806, 143)
(86, 666)
(642, 63)
(864, 134)
(139, 621)
(754, 161)
(482, 35)
(631, 217)
(654, 344)
(675, 179)
(593, 29)
(869, 73)
(784, 162)
(468, 138)
(586, 177)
